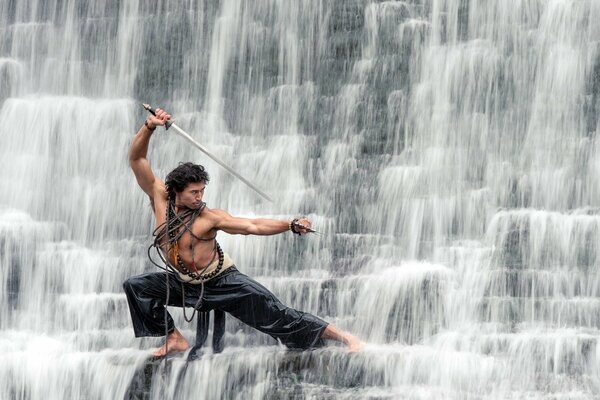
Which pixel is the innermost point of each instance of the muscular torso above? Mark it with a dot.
(203, 228)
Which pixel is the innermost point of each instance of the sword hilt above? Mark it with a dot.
(151, 110)
(309, 230)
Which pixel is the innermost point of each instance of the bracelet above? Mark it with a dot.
(148, 126)
(293, 224)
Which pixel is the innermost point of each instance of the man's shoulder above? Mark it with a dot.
(159, 183)
(158, 189)
(216, 213)
(214, 216)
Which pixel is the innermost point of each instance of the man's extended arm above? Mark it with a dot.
(139, 149)
(254, 226)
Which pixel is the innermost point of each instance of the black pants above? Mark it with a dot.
(232, 292)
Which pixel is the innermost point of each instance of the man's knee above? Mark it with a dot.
(132, 284)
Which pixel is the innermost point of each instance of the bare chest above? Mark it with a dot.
(191, 242)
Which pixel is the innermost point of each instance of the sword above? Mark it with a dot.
(184, 134)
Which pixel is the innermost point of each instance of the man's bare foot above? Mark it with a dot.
(175, 343)
(354, 344)
(334, 333)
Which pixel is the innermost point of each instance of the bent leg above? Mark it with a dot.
(146, 296)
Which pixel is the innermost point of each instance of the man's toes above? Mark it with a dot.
(160, 352)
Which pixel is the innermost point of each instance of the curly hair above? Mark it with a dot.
(184, 174)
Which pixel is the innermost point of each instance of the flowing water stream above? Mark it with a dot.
(448, 150)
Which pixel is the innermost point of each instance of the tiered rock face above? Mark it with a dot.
(447, 150)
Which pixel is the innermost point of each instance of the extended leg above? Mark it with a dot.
(256, 306)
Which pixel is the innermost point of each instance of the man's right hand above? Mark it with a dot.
(159, 120)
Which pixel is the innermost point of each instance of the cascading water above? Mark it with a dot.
(447, 149)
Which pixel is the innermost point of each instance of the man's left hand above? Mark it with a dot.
(305, 226)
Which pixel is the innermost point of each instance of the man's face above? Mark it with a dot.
(191, 196)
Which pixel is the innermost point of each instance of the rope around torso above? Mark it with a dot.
(169, 233)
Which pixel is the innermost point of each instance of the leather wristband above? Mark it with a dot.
(148, 126)
(293, 226)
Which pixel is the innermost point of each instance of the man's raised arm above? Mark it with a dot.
(139, 149)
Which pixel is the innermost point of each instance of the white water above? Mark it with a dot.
(448, 150)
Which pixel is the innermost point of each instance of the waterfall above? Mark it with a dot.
(447, 150)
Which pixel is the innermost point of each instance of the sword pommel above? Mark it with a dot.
(148, 108)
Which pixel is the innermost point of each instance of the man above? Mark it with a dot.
(205, 277)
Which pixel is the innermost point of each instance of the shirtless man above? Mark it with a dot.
(203, 276)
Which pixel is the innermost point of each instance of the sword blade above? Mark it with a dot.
(185, 135)
(203, 149)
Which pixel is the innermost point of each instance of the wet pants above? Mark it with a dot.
(232, 292)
